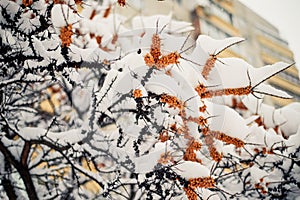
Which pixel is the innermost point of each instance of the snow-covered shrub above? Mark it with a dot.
(94, 107)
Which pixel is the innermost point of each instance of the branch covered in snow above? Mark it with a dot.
(96, 106)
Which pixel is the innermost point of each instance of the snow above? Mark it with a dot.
(169, 45)
(269, 90)
(267, 113)
(160, 23)
(251, 119)
(28, 23)
(65, 137)
(189, 169)
(252, 103)
(222, 119)
(146, 163)
(293, 141)
(272, 138)
(291, 113)
(186, 69)
(225, 69)
(257, 174)
(12, 7)
(209, 195)
(190, 5)
(214, 46)
(262, 73)
(256, 135)
(81, 98)
(62, 15)
(7, 37)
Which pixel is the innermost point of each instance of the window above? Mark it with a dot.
(275, 54)
(219, 11)
(272, 36)
(289, 78)
(212, 30)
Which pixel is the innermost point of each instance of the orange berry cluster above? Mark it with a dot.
(154, 58)
(173, 127)
(200, 89)
(263, 151)
(209, 137)
(194, 183)
(164, 136)
(172, 101)
(78, 2)
(226, 91)
(184, 129)
(214, 154)
(149, 60)
(172, 58)
(210, 94)
(238, 91)
(65, 35)
(239, 105)
(276, 129)
(169, 59)
(137, 93)
(258, 186)
(169, 73)
(93, 14)
(107, 11)
(227, 139)
(166, 158)
(58, 1)
(27, 3)
(202, 108)
(99, 39)
(155, 47)
(210, 62)
(122, 3)
(114, 38)
(260, 121)
(206, 182)
(190, 193)
(200, 120)
(190, 154)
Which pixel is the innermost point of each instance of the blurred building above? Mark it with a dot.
(225, 18)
